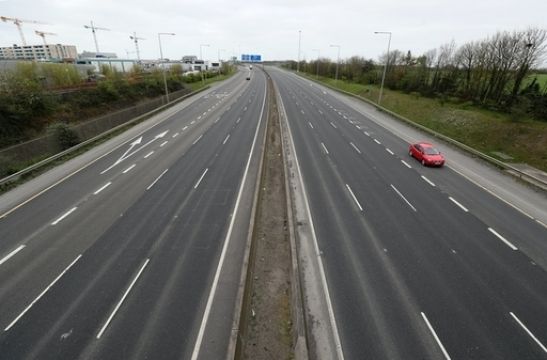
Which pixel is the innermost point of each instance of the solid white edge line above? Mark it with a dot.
(129, 169)
(157, 179)
(529, 332)
(325, 148)
(377, 141)
(323, 277)
(354, 198)
(122, 300)
(198, 139)
(389, 151)
(355, 147)
(502, 239)
(149, 154)
(11, 254)
(201, 178)
(406, 164)
(401, 195)
(436, 337)
(62, 217)
(457, 203)
(226, 139)
(42, 293)
(102, 188)
(212, 293)
(428, 181)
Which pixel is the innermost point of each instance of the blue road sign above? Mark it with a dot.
(251, 58)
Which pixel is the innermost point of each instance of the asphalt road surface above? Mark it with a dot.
(420, 263)
(138, 253)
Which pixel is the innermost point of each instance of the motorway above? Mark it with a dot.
(137, 253)
(420, 263)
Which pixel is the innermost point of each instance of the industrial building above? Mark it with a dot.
(56, 52)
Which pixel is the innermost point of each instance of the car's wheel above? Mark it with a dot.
(423, 162)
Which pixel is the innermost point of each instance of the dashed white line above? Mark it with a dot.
(238, 120)
(205, 113)
(334, 126)
(102, 188)
(245, 108)
(389, 151)
(406, 164)
(502, 239)
(201, 178)
(226, 139)
(175, 135)
(11, 254)
(325, 148)
(149, 154)
(309, 123)
(428, 181)
(157, 179)
(121, 300)
(320, 112)
(436, 337)
(216, 120)
(62, 217)
(163, 143)
(199, 118)
(184, 128)
(129, 169)
(377, 142)
(457, 203)
(198, 139)
(42, 293)
(402, 197)
(193, 122)
(529, 332)
(354, 198)
(302, 111)
(355, 147)
(366, 133)
(358, 127)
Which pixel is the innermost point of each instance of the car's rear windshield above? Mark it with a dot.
(431, 151)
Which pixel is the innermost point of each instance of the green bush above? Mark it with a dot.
(63, 135)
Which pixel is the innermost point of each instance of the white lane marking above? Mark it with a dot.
(358, 127)
(175, 135)
(62, 217)
(389, 151)
(320, 112)
(205, 113)
(302, 111)
(199, 118)
(402, 197)
(238, 120)
(216, 120)
(345, 117)
(193, 122)
(355, 147)
(42, 293)
(198, 139)
(11, 254)
(201, 178)
(149, 154)
(366, 133)
(122, 300)
(354, 198)
(212, 293)
(184, 128)
(502, 239)
(157, 179)
(406, 164)
(529, 332)
(226, 139)
(245, 108)
(377, 142)
(436, 337)
(457, 203)
(102, 188)
(164, 143)
(309, 123)
(428, 181)
(325, 148)
(334, 126)
(129, 169)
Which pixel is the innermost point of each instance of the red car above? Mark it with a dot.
(426, 154)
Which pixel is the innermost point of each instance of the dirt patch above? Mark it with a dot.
(268, 331)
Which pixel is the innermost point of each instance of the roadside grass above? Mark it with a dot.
(541, 80)
(200, 84)
(487, 131)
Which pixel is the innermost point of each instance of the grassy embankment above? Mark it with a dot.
(487, 131)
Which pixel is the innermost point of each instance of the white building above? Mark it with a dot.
(39, 52)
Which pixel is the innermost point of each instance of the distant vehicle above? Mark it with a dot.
(250, 67)
(426, 154)
(249, 76)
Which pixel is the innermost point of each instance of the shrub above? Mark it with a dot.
(63, 135)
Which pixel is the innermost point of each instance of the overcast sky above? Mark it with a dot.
(269, 28)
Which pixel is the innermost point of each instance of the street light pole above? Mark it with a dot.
(298, 63)
(219, 67)
(201, 58)
(318, 56)
(337, 62)
(163, 70)
(385, 65)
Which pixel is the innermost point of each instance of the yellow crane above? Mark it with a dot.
(18, 23)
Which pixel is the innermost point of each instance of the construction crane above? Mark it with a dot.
(136, 40)
(43, 34)
(93, 29)
(18, 23)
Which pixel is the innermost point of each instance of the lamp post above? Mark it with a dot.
(219, 67)
(161, 60)
(337, 62)
(385, 65)
(201, 58)
(318, 56)
(298, 63)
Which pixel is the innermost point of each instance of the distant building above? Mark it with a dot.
(57, 52)
(189, 59)
(93, 54)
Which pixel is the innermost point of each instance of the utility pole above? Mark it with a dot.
(93, 30)
(385, 66)
(318, 57)
(337, 62)
(163, 70)
(299, 41)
